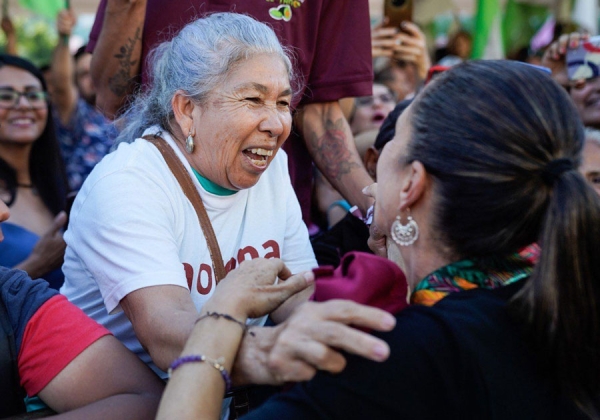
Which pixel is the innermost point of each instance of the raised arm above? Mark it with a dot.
(11, 35)
(116, 58)
(64, 95)
(330, 142)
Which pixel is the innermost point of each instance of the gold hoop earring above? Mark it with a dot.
(405, 235)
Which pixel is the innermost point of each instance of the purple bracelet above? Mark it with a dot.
(217, 364)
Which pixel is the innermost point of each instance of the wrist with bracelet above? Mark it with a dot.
(218, 364)
(217, 315)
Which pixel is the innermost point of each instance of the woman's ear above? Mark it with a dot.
(183, 107)
(414, 185)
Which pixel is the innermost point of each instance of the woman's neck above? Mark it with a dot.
(421, 260)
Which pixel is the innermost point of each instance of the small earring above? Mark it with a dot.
(189, 143)
(405, 235)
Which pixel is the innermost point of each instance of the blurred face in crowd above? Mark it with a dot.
(590, 167)
(370, 111)
(403, 80)
(23, 107)
(83, 78)
(463, 47)
(587, 102)
(241, 126)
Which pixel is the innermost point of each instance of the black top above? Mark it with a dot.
(463, 358)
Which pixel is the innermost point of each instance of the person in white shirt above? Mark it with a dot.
(137, 260)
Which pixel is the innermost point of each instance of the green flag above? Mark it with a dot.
(521, 22)
(487, 40)
(48, 8)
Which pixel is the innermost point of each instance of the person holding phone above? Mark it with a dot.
(585, 93)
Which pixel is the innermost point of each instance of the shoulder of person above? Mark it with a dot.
(22, 297)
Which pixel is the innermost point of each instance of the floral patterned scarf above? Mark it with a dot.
(489, 273)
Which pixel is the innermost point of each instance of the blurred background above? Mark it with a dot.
(498, 28)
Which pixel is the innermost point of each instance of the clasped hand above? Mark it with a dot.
(312, 338)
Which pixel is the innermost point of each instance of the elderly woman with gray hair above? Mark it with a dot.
(197, 186)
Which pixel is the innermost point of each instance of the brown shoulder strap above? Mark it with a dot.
(190, 191)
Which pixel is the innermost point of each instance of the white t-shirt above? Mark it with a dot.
(131, 227)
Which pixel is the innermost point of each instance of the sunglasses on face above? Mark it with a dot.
(10, 98)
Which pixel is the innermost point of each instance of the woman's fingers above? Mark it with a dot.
(317, 331)
(406, 50)
(383, 32)
(58, 223)
(268, 298)
(352, 313)
(377, 241)
(251, 289)
(308, 358)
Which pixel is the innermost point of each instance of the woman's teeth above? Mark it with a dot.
(262, 152)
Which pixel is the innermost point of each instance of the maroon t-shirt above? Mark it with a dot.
(330, 38)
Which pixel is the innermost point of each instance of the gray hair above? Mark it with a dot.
(593, 135)
(196, 61)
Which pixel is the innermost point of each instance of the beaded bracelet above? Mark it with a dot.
(217, 315)
(217, 364)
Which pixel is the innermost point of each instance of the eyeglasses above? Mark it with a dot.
(370, 100)
(10, 98)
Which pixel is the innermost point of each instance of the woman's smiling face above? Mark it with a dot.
(243, 123)
(23, 122)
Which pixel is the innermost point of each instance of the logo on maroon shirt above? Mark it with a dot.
(284, 10)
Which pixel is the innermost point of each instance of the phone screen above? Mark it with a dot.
(583, 62)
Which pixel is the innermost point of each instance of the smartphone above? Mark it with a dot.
(397, 11)
(583, 62)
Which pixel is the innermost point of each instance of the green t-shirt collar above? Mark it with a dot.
(211, 187)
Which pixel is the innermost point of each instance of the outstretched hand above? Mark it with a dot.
(251, 291)
(7, 26)
(311, 339)
(65, 22)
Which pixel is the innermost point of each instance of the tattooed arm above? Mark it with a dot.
(116, 59)
(331, 145)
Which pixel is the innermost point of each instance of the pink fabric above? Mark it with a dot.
(363, 278)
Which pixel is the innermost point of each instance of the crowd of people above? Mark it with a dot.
(212, 201)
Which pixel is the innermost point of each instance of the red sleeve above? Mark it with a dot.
(96, 28)
(55, 335)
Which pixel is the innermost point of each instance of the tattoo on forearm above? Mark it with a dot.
(331, 150)
(119, 84)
